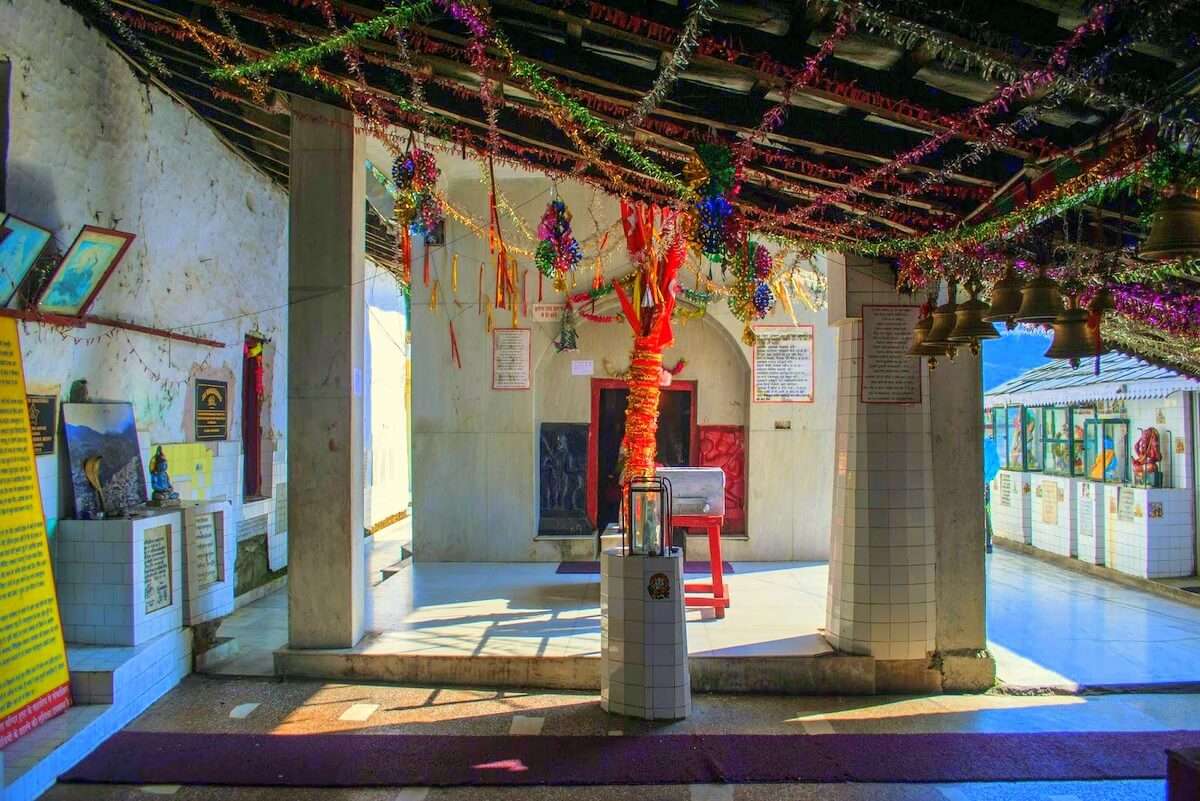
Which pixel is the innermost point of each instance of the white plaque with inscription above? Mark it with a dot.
(157, 563)
(888, 374)
(510, 358)
(782, 363)
(205, 552)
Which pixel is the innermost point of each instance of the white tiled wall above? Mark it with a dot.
(1053, 526)
(643, 640)
(1159, 542)
(110, 686)
(1012, 520)
(216, 599)
(1089, 521)
(99, 572)
(881, 570)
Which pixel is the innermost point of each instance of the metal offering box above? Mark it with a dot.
(695, 490)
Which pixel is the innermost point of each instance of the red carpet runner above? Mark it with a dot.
(362, 760)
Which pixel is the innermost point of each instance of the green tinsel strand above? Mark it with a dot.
(296, 57)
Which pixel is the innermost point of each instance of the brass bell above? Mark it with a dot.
(920, 331)
(943, 325)
(1006, 298)
(1072, 340)
(1040, 300)
(969, 327)
(1174, 230)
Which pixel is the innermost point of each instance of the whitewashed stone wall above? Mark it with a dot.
(91, 143)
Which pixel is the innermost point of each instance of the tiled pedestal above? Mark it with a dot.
(1089, 521)
(106, 594)
(1149, 531)
(208, 580)
(643, 636)
(1052, 526)
(1012, 506)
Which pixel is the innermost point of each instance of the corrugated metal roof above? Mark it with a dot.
(1120, 376)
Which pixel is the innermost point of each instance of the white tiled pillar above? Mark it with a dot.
(882, 555)
(881, 569)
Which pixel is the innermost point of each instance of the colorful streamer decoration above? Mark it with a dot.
(417, 205)
(558, 251)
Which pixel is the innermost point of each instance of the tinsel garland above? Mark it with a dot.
(1145, 342)
(294, 58)
(1026, 85)
(1123, 168)
(775, 116)
(1174, 311)
(1149, 18)
(134, 41)
(669, 71)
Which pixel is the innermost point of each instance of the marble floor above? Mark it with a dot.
(261, 706)
(1048, 627)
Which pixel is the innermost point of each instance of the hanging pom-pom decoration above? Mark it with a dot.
(763, 263)
(712, 215)
(568, 335)
(764, 299)
(558, 252)
(416, 204)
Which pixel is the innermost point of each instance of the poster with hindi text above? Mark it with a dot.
(888, 374)
(34, 683)
(782, 364)
(511, 358)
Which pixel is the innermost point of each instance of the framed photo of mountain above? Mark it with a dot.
(105, 460)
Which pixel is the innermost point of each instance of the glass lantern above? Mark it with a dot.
(647, 516)
(1107, 451)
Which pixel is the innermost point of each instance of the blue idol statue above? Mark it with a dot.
(160, 482)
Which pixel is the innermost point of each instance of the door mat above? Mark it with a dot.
(375, 760)
(593, 568)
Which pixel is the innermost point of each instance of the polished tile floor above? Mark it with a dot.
(1048, 627)
(207, 704)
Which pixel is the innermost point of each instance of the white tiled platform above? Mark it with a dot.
(1047, 626)
(110, 685)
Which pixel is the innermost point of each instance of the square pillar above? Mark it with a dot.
(326, 242)
(882, 591)
(956, 407)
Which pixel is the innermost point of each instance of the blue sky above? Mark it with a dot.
(1012, 354)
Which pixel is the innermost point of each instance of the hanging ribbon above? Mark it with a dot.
(454, 276)
(454, 354)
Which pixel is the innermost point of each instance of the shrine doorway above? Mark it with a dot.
(678, 444)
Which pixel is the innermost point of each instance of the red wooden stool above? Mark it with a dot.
(716, 588)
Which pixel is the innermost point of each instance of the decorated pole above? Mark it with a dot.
(649, 315)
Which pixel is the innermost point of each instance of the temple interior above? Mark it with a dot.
(564, 399)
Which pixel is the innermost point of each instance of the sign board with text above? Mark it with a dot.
(887, 373)
(511, 358)
(34, 684)
(782, 364)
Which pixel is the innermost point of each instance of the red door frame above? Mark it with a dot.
(593, 454)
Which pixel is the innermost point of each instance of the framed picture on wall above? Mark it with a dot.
(81, 274)
(21, 243)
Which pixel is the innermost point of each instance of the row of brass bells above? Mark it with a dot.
(1174, 230)
(969, 325)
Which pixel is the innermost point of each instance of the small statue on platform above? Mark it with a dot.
(1147, 453)
(160, 482)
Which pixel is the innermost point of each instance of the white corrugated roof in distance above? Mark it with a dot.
(1057, 383)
